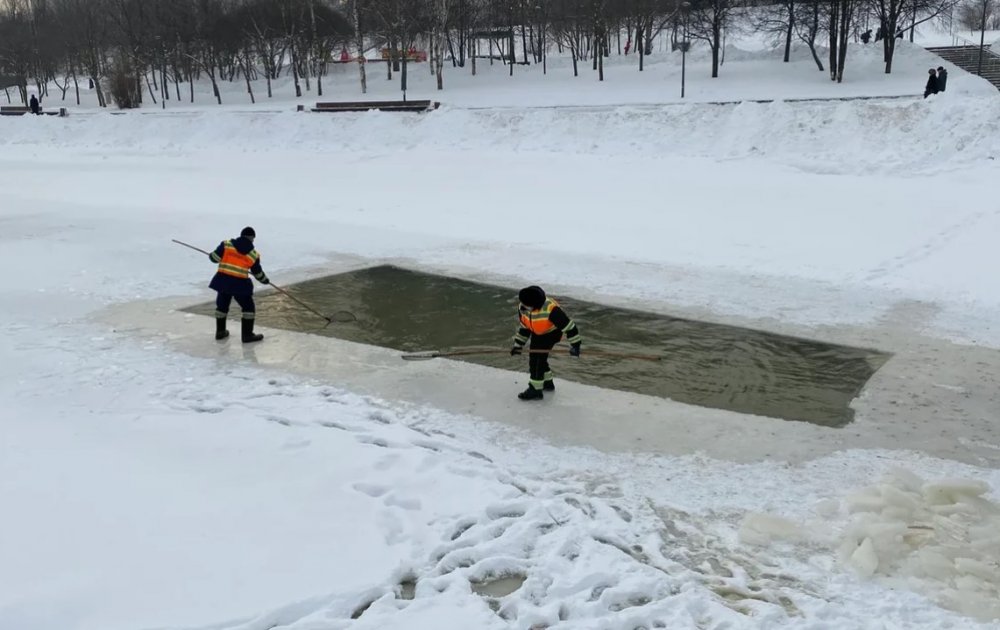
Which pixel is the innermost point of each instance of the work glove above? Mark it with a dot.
(265, 280)
(574, 350)
(516, 350)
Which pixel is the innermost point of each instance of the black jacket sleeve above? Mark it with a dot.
(522, 335)
(216, 256)
(258, 271)
(562, 321)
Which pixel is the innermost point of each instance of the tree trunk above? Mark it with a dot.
(788, 31)
(716, 46)
(101, 99)
(360, 43)
(451, 51)
(402, 76)
(149, 86)
(845, 27)
(639, 45)
(833, 38)
(813, 30)
(295, 73)
(545, 53)
(600, 63)
(246, 60)
(982, 37)
(890, 53)
(210, 69)
(439, 62)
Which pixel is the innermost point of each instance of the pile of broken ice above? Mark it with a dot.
(938, 538)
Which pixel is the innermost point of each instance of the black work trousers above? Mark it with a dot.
(223, 301)
(538, 362)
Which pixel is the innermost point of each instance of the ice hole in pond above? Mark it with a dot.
(706, 364)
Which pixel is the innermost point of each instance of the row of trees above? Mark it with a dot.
(148, 49)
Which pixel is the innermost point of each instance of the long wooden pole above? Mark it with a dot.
(329, 320)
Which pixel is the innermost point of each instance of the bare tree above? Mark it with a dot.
(808, 23)
(708, 20)
(399, 23)
(569, 27)
(892, 13)
(840, 18)
(777, 20)
(440, 24)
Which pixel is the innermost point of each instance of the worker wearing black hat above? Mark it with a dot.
(237, 259)
(543, 321)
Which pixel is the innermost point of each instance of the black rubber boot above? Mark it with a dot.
(220, 328)
(549, 386)
(531, 394)
(248, 334)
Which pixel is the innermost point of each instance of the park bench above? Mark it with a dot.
(21, 110)
(384, 106)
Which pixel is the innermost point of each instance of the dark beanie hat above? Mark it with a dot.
(532, 296)
(248, 231)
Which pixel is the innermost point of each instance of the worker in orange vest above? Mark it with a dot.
(542, 320)
(237, 259)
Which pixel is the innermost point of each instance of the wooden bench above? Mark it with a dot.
(383, 106)
(21, 110)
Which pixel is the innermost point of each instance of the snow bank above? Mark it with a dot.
(824, 137)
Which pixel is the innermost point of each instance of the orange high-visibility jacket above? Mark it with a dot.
(235, 264)
(538, 322)
(544, 321)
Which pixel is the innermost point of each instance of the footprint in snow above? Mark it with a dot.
(407, 503)
(373, 490)
(206, 409)
(369, 439)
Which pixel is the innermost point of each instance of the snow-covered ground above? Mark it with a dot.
(153, 478)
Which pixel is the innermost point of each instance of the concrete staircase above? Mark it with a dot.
(967, 58)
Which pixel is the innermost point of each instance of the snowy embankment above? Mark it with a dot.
(826, 137)
(144, 487)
